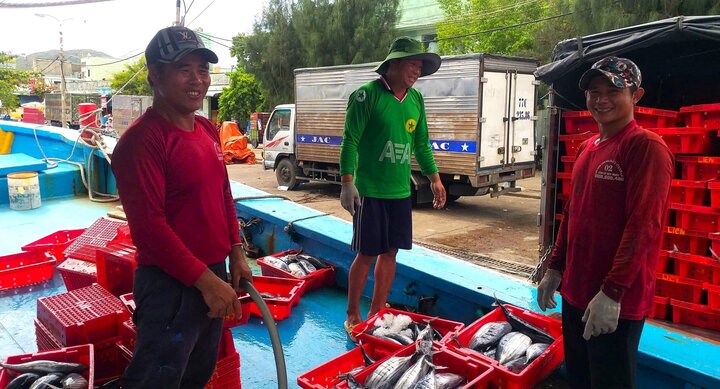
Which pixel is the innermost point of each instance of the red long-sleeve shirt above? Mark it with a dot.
(610, 234)
(175, 191)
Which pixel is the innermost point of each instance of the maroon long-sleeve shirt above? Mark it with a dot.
(175, 191)
(610, 234)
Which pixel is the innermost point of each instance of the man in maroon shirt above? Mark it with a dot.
(175, 191)
(607, 246)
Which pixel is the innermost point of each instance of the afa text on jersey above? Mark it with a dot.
(396, 152)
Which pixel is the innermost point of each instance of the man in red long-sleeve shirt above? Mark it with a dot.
(175, 191)
(607, 246)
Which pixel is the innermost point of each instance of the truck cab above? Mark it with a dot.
(279, 145)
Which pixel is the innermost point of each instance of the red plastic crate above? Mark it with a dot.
(656, 118)
(695, 315)
(77, 354)
(44, 338)
(85, 315)
(699, 168)
(661, 308)
(562, 199)
(714, 238)
(326, 375)
(686, 140)
(678, 288)
(579, 121)
(696, 267)
(286, 290)
(664, 262)
(533, 373)
(714, 187)
(128, 333)
(245, 302)
(445, 327)
(703, 115)
(688, 192)
(314, 280)
(102, 231)
(128, 302)
(568, 162)
(687, 241)
(111, 359)
(116, 268)
(713, 292)
(572, 142)
(559, 216)
(565, 183)
(478, 375)
(26, 268)
(54, 243)
(695, 217)
(77, 274)
(227, 368)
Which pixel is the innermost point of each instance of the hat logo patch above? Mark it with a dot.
(410, 125)
(184, 35)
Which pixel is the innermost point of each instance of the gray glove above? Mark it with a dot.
(546, 289)
(601, 316)
(349, 197)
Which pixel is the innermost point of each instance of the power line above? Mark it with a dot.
(119, 60)
(219, 43)
(50, 64)
(500, 28)
(212, 36)
(49, 4)
(201, 12)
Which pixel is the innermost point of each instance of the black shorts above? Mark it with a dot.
(380, 225)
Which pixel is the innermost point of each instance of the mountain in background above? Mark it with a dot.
(25, 62)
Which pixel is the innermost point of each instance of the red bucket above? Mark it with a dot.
(86, 118)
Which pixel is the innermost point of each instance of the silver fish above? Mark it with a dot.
(74, 381)
(490, 353)
(535, 333)
(275, 262)
(516, 365)
(49, 381)
(296, 270)
(404, 340)
(45, 367)
(448, 380)
(489, 335)
(412, 375)
(22, 381)
(428, 381)
(366, 358)
(387, 373)
(315, 262)
(512, 346)
(306, 266)
(535, 350)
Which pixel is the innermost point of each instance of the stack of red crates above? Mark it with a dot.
(116, 267)
(580, 126)
(87, 315)
(688, 274)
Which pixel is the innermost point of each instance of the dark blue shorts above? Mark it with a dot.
(177, 343)
(380, 225)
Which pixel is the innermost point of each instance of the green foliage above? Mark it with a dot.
(309, 33)
(592, 16)
(12, 80)
(138, 86)
(241, 98)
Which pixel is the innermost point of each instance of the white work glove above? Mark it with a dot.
(601, 316)
(546, 289)
(349, 197)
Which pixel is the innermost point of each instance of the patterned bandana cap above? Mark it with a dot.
(172, 43)
(621, 72)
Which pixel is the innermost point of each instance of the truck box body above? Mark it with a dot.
(127, 108)
(480, 111)
(53, 107)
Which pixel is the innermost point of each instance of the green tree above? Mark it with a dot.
(241, 98)
(138, 86)
(12, 81)
(592, 16)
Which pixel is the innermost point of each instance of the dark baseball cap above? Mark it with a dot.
(172, 43)
(621, 72)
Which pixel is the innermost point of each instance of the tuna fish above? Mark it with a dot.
(448, 381)
(314, 261)
(516, 365)
(22, 381)
(275, 262)
(74, 381)
(387, 373)
(489, 335)
(366, 358)
(49, 381)
(412, 375)
(535, 350)
(351, 381)
(404, 340)
(512, 346)
(490, 353)
(536, 334)
(296, 270)
(306, 266)
(45, 367)
(427, 382)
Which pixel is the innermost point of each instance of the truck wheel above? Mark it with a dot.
(254, 143)
(286, 173)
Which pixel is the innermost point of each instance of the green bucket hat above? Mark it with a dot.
(409, 48)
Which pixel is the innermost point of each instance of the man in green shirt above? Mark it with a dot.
(385, 124)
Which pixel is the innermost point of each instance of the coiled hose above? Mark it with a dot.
(272, 331)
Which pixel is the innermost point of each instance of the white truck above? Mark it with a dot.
(480, 110)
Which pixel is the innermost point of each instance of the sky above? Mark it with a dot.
(120, 28)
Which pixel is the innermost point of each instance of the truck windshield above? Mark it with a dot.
(280, 121)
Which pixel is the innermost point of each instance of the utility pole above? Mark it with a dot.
(177, 13)
(63, 87)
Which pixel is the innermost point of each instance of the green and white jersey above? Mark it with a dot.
(380, 135)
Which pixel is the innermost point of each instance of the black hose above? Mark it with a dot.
(272, 331)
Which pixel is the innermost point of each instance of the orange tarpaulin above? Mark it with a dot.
(235, 145)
